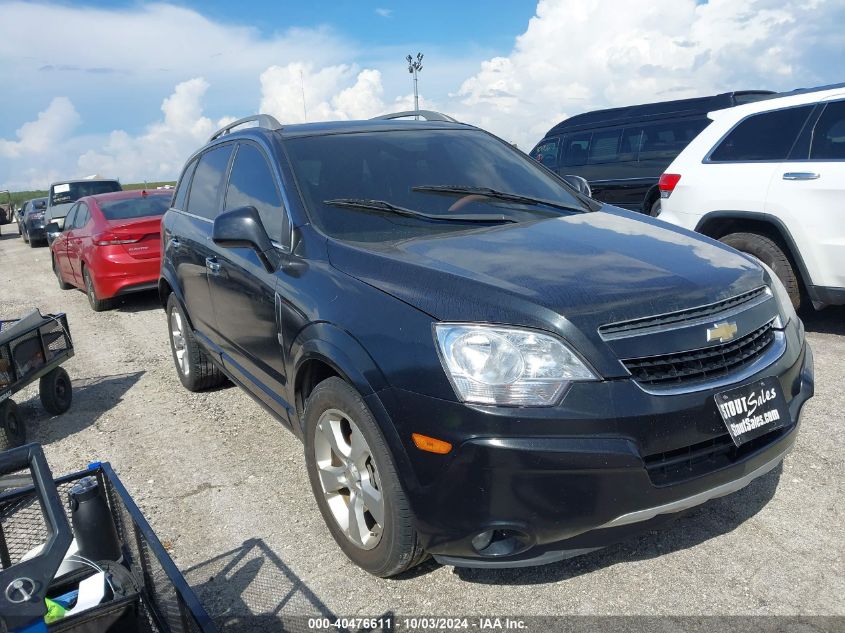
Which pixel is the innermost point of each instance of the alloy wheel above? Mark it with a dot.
(349, 478)
(180, 349)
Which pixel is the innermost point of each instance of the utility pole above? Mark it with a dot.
(415, 67)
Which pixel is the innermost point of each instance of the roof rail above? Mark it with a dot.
(264, 120)
(428, 115)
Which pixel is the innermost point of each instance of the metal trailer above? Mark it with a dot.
(32, 348)
(155, 597)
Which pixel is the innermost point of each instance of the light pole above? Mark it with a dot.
(415, 67)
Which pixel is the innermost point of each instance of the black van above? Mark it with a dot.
(621, 152)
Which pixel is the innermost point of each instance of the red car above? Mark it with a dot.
(111, 245)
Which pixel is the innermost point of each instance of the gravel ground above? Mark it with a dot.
(225, 489)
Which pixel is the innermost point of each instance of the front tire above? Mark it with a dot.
(12, 424)
(354, 480)
(62, 284)
(770, 253)
(194, 367)
(97, 305)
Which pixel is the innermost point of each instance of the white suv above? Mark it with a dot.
(768, 178)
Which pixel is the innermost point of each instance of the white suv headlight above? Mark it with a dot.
(507, 366)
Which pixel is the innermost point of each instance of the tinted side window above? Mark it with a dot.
(632, 139)
(207, 183)
(546, 152)
(253, 184)
(82, 215)
(184, 183)
(829, 133)
(71, 217)
(666, 140)
(604, 147)
(576, 149)
(765, 136)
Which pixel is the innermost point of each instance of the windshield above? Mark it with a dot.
(132, 208)
(72, 191)
(392, 166)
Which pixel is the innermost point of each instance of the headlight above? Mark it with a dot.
(507, 366)
(787, 310)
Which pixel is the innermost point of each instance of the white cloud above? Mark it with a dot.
(330, 93)
(36, 137)
(385, 13)
(160, 152)
(579, 55)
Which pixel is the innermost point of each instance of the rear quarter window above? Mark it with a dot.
(762, 137)
(546, 152)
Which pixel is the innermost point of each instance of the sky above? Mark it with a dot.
(131, 89)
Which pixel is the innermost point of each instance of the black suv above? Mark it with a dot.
(483, 364)
(622, 152)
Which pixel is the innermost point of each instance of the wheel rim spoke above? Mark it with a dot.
(356, 526)
(374, 501)
(333, 478)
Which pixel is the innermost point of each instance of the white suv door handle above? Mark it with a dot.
(800, 175)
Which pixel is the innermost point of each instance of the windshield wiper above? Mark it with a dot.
(487, 192)
(386, 207)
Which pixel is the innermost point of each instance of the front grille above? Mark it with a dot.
(703, 364)
(681, 316)
(672, 467)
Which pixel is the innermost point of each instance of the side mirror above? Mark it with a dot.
(52, 227)
(242, 228)
(579, 184)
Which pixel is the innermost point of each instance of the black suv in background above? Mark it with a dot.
(482, 363)
(621, 152)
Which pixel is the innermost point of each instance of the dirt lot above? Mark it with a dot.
(224, 487)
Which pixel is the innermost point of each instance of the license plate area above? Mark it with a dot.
(753, 410)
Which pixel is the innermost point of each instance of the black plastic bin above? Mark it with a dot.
(159, 599)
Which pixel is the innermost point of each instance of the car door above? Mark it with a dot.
(243, 291)
(741, 166)
(188, 243)
(807, 193)
(75, 241)
(60, 246)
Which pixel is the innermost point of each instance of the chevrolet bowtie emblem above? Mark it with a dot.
(721, 332)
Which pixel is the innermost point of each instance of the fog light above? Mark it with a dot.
(481, 541)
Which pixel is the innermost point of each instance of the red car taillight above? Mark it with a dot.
(107, 239)
(667, 184)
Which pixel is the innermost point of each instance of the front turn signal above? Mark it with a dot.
(431, 444)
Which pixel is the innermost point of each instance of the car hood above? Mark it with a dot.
(569, 274)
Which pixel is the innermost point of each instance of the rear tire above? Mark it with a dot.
(770, 253)
(194, 367)
(12, 424)
(97, 305)
(56, 391)
(337, 419)
(654, 210)
(62, 284)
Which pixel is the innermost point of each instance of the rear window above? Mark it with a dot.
(829, 135)
(63, 193)
(135, 207)
(765, 136)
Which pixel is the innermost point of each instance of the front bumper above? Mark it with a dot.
(623, 462)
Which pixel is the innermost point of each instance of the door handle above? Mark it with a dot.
(800, 175)
(213, 265)
(175, 243)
